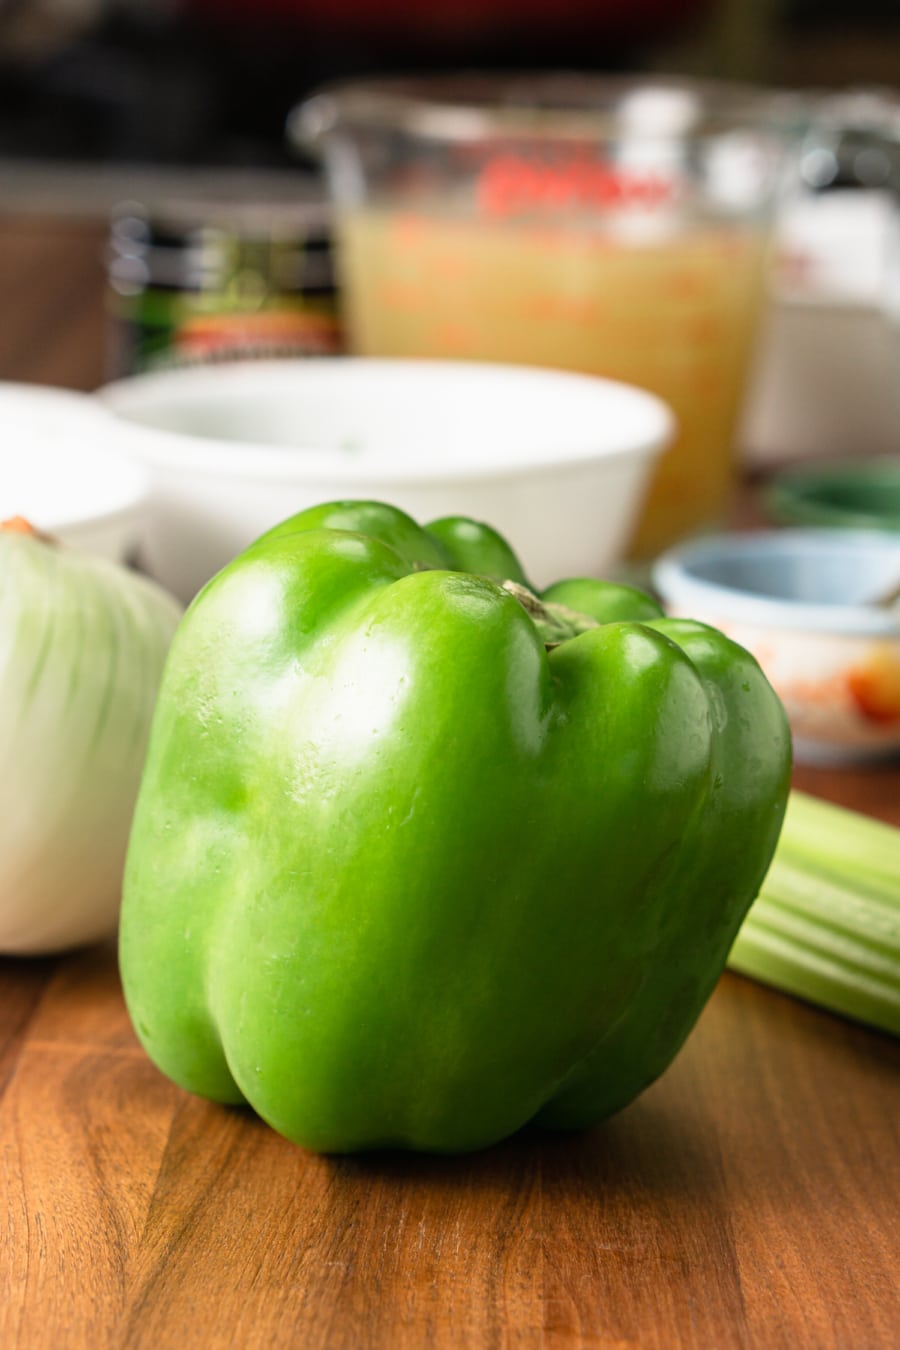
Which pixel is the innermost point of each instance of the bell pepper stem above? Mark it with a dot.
(556, 623)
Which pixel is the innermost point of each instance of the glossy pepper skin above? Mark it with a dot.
(412, 866)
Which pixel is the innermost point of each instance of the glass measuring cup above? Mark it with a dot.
(611, 225)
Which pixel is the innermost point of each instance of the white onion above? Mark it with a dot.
(82, 646)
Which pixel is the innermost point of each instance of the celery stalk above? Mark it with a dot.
(826, 833)
(826, 924)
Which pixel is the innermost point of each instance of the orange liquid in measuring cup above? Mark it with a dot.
(675, 314)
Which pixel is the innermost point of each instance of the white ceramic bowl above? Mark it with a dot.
(61, 470)
(557, 462)
(802, 602)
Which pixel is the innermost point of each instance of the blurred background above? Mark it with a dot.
(209, 82)
(109, 101)
(153, 214)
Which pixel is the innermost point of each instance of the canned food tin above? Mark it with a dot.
(197, 282)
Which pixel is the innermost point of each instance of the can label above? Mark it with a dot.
(159, 329)
(198, 294)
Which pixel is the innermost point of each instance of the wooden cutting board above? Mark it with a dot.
(749, 1198)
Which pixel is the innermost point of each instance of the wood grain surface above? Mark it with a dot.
(750, 1198)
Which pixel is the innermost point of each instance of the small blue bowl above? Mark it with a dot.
(805, 603)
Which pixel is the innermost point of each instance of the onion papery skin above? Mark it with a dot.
(83, 642)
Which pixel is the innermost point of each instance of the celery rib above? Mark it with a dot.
(836, 902)
(826, 924)
(772, 959)
(836, 836)
(841, 943)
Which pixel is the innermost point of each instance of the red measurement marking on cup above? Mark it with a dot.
(688, 285)
(703, 330)
(451, 266)
(458, 338)
(410, 231)
(400, 296)
(577, 312)
(511, 184)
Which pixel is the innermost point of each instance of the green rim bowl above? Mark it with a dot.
(850, 495)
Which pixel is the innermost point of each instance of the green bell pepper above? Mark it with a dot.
(419, 857)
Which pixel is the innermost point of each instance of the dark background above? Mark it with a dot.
(181, 82)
